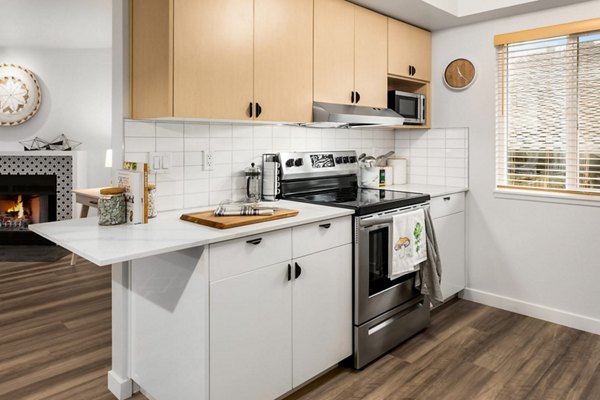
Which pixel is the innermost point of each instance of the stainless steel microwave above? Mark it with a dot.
(409, 105)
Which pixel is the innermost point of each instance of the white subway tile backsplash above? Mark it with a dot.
(443, 152)
(139, 129)
(220, 130)
(194, 172)
(220, 143)
(196, 143)
(169, 144)
(234, 147)
(195, 186)
(173, 130)
(140, 144)
(165, 203)
(195, 200)
(197, 130)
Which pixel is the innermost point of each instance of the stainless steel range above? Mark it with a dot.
(386, 312)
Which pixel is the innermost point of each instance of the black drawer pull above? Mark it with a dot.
(326, 226)
(297, 271)
(289, 272)
(447, 198)
(254, 241)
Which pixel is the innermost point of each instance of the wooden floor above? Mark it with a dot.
(55, 344)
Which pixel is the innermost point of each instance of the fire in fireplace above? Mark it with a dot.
(25, 200)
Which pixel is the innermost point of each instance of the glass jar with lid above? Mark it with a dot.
(112, 208)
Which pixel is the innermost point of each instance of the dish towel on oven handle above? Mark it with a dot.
(429, 277)
(409, 242)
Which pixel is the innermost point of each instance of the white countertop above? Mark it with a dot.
(431, 190)
(105, 245)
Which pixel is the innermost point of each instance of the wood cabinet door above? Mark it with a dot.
(322, 311)
(213, 58)
(151, 59)
(251, 335)
(370, 58)
(283, 40)
(409, 46)
(334, 51)
(450, 235)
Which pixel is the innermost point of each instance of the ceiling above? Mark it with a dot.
(56, 23)
(429, 14)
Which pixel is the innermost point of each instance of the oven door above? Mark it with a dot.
(375, 293)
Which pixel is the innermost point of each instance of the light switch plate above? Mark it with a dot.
(159, 162)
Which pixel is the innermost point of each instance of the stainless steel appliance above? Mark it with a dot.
(411, 106)
(270, 180)
(386, 312)
(328, 115)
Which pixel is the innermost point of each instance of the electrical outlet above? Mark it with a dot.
(208, 161)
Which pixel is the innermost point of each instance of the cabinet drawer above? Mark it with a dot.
(446, 205)
(237, 256)
(322, 235)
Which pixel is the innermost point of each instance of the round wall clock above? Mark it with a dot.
(459, 74)
(20, 95)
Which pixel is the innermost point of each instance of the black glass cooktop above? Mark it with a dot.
(363, 201)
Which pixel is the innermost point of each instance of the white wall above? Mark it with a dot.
(67, 45)
(537, 258)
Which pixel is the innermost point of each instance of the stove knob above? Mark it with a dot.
(289, 163)
(338, 160)
(299, 162)
(345, 160)
(352, 159)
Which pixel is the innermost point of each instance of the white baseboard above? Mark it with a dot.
(554, 315)
(121, 388)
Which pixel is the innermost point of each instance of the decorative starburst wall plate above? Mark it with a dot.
(20, 95)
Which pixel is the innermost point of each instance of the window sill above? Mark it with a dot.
(547, 197)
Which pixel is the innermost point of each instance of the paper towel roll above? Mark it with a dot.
(399, 167)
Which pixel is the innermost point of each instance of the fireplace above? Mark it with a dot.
(26, 200)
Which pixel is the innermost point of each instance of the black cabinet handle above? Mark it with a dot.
(447, 198)
(289, 272)
(352, 97)
(326, 226)
(258, 110)
(254, 241)
(250, 110)
(414, 70)
(357, 97)
(297, 270)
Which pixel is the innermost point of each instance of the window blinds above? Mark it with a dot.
(548, 114)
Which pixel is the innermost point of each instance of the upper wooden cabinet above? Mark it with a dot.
(370, 57)
(213, 60)
(350, 54)
(409, 51)
(151, 91)
(283, 59)
(222, 59)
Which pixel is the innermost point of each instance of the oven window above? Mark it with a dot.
(379, 248)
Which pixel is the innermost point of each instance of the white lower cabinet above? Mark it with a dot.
(273, 328)
(449, 223)
(322, 312)
(251, 335)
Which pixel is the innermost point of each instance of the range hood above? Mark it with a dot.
(327, 115)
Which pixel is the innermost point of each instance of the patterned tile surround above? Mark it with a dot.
(234, 147)
(61, 166)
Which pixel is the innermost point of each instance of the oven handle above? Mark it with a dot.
(384, 218)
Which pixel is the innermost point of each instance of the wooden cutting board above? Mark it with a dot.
(208, 218)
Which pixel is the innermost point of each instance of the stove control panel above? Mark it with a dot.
(308, 164)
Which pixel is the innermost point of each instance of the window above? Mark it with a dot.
(548, 111)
